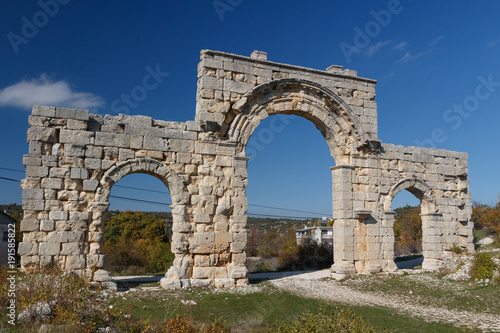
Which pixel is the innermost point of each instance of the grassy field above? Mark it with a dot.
(255, 307)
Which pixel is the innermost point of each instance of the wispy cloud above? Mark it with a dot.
(493, 43)
(436, 41)
(401, 46)
(44, 91)
(411, 56)
(374, 48)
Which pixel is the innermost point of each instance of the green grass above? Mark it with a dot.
(267, 306)
(429, 290)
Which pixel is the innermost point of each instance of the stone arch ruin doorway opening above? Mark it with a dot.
(300, 170)
(431, 221)
(180, 221)
(335, 120)
(407, 229)
(138, 226)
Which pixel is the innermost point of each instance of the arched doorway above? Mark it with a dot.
(337, 123)
(431, 222)
(180, 223)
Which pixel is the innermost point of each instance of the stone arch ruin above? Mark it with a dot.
(75, 158)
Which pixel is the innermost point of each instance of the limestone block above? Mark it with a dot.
(44, 111)
(239, 242)
(202, 243)
(237, 272)
(96, 236)
(37, 171)
(49, 249)
(112, 140)
(71, 249)
(179, 134)
(179, 145)
(32, 160)
(93, 163)
(47, 225)
(79, 173)
(90, 185)
(156, 143)
(72, 113)
(202, 218)
(33, 205)
(74, 124)
(222, 241)
(76, 137)
(74, 262)
(58, 215)
(207, 82)
(52, 183)
(27, 249)
(200, 283)
(101, 276)
(224, 283)
(32, 194)
(59, 172)
(45, 134)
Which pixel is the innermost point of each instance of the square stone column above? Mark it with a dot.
(432, 242)
(388, 264)
(343, 228)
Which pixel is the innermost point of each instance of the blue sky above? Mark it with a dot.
(436, 63)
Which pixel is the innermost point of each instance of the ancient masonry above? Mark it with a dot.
(75, 158)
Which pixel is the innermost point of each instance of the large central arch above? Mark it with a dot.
(326, 110)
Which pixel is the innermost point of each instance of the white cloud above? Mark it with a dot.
(44, 91)
(436, 41)
(409, 57)
(401, 46)
(374, 48)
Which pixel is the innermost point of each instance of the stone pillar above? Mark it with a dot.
(432, 243)
(388, 264)
(177, 275)
(343, 228)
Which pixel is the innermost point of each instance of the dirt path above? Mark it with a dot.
(310, 286)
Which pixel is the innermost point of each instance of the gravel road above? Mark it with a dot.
(309, 284)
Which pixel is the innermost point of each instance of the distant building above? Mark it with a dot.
(318, 234)
(5, 220)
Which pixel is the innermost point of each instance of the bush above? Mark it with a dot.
(56, 298)
(336, 320)
(483, 266)
(136, 243)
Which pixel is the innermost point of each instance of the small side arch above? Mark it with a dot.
(416, 187)
(165, 174)
(180, 201)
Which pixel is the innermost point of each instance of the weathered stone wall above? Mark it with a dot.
(75, 158)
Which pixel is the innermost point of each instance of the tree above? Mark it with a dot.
(138, 242)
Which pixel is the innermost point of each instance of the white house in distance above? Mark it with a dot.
(319, 234)
(5, 220)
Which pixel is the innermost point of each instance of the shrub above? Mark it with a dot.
(52, 297)
(336, 320)
(136, 242)
(456, 249)
(483, 266)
